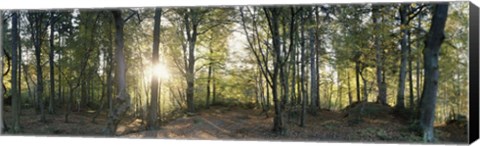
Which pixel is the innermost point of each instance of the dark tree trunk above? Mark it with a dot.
(302, 73)
(110, 70)
(349, 91)
(37, 31)
(272, 15)
(209, 78)
(434, 40)
(19, 64)
(122, 101)
(153, 117)
(313, 76)
(51, 64)
(357, 78)
(410, 76)
(15, 90)
(418, 59)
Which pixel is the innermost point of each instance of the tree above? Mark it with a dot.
(122, 100)
(382, 93)
(272, 15)
(433, 43)
(404, 53)
(15, 90)
(153, 120)
(37, 33)
(302, 70)
(51, 64)
(313, 69)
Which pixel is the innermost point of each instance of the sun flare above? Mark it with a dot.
(159, 70)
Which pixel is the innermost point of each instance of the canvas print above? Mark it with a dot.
(366, 72)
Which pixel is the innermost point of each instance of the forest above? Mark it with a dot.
(392, 72)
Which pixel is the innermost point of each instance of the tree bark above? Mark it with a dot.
(15, 90)
(51, 64)
(404, 54)
(209, 78)
(313, 76)
(382, 94)
(191, 21)
(272, 18)
(348, 86)
(434, 40)
(122, 100)
(302, 73)
(357, 78)
(153, 117)
(37, 30)
(418, 59)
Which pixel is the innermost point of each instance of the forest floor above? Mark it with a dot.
(237, 123)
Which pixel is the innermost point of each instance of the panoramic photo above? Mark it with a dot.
(381, 72)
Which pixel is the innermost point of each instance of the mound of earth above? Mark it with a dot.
(356, 112)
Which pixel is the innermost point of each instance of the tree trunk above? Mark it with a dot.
(191, 25)
(357, 78)
(1, 71)
(382, 94)
(209, 78)
(15, 90)
(348, 86)
(19, 72)
(51, 64)
(404, 53)
(153, 118)
(313, 76)
(272, 18)
(434, 40)
(122, 101)
(109, 72)
(302, 73)
(410, 76)
(418, 59)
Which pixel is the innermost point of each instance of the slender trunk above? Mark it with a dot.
(404, 53)
(349, 91)
(214, 92)
(357, 78)
(209, 78)
(19, 72)
(153, 117)
(434, 40)
(36, 37)
(418, 59)
(294, 75)
(410, 76)
(51, 64)
(15, 90)
(313, 76)
(382, 94)
(302, 78)
(365, 91)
